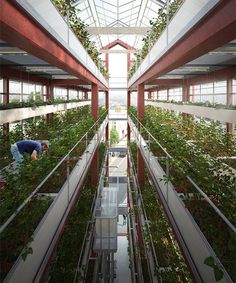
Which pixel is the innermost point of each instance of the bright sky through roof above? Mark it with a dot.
(118, 13)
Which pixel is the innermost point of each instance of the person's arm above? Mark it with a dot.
(34, 155)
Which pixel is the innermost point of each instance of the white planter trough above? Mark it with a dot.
(17, 114)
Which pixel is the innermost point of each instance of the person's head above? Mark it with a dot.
(44, 146)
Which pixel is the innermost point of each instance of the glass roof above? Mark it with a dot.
(118, 14)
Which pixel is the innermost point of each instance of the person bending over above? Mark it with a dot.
(27, 146)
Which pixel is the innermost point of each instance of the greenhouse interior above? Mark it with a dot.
(118, 141)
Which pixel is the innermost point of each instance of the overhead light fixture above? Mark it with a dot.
(193, 69)
(222, 52)
(2, 53)
(42, 69)
(228, 49)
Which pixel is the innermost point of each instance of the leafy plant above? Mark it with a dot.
(217, 270)
(66, 8)
(157, 27)
(114, 136)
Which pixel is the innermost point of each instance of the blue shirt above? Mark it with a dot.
(28, 146)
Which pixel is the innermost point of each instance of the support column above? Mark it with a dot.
(6, 87)
(128, 62)
(107, 61)
(140, 168)
(186, 91)
(49, 96)
(107, 107)
(185, 97)
(94, 168)
(229, 97)
(140, 161)
(168, 94)
(128, 106)
(95, 101)
(6, 128)
(141, 102)
(94, 106)
(67, 93)
(85, 95)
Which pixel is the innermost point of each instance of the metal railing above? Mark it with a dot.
(66, 159)
(168, 157)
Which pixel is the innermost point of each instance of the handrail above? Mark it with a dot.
(62, 131)
(143, 209)
(231, 226)
(218, 211)
(15, 213)
(169, 156)
(91, 222)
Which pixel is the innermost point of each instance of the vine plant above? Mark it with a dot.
(63, 133)
(197, 148)
(157, 26)
(65, 7)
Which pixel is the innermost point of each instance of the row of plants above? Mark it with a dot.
(65, 131)
(62, 133)
(171, 265)
(37, 128)
(14, 241)
(165, 14)
(195, 148)
(204, 104)
(64, 263)
(35, 102)
(66, 9)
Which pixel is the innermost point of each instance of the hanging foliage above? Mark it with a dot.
(79, 27)
(157, 26)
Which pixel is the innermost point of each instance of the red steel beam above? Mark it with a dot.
(140, 103)
(72, 82)
(94, 103)
(6, 72)
(214, 30)
(222, 74)
(19, 29)
(165, 82)
(117, 42)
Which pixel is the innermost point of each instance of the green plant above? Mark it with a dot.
(157, 26)
(217, 271)
(196, 147)
(114, 136)
(79, 27)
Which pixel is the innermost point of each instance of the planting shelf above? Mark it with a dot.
(12, 115)
(48, 17)
(192, 240)
(174, 32)
(222, 115)
(44, 235)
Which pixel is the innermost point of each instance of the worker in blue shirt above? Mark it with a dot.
(27, 146)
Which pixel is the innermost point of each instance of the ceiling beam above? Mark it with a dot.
(117, 42)
(117, 30)
(214, 30)
(38, 42)
(219, 75)
(69, 82)
(17, 74)
(166, 82)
